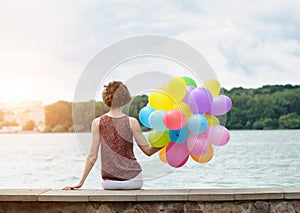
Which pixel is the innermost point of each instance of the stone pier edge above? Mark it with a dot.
(150, 195)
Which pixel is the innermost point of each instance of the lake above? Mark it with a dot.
(267, 158)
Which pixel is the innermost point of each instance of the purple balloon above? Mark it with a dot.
(200, 101)
(189, 89)
(221, 105)
(177, 154)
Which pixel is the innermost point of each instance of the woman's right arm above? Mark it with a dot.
(92, 157)
(140, 138)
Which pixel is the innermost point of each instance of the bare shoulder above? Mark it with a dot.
(134, 124)
(132, 119)
(96, 122)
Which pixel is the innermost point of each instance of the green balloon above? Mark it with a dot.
(158, 139)
(189, 81)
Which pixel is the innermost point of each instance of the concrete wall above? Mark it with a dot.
(181, 200)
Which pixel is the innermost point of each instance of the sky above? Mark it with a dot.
(46, 45)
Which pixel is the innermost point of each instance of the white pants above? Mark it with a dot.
(134, 183)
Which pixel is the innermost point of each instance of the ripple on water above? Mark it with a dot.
(250, 159)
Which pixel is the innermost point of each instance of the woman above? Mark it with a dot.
(115, 132)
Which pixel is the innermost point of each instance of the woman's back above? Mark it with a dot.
(117, 157)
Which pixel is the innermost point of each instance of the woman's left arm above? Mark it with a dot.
(93, 155)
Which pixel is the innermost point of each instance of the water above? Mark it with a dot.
(251, 159)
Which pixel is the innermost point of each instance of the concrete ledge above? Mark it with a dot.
(58, 195)
(165, 200)
(21, 194)
(259, 194)
(163, 195)
(211, 195)
(291, 193)
(89, 195)
(114, 196)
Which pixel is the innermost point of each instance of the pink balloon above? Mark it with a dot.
(177, 154)
(197, 144)
(217, 135)
(189, 89)
(200, 101)
(221, 105)
(174, 119)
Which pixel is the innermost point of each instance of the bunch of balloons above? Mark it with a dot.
(183, 120)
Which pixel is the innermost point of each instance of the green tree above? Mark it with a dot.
(261, 108)
(1, 115)
(258, 125)
(289, 121)
(29, 125)
(268, 107)
(59, 128)
(135, 107)
(59, 113)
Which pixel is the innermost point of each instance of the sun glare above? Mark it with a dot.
(20, 94)
(17, 91)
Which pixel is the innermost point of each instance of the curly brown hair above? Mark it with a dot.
(116, 94)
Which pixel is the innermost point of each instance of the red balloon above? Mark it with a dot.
(174, 119)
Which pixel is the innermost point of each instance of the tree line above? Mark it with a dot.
(267, 107)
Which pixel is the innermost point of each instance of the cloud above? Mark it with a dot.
(245, 50)
(49, 43)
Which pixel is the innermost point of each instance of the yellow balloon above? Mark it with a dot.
(184, 108)
(160, 100)
(213, 86)
(158, 139)
(162, 154)
(177, 88)
(206, 157)
(212, 120)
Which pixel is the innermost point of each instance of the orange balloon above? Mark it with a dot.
(162, 154)
(206, 157)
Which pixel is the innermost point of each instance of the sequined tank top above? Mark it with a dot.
(117, 157)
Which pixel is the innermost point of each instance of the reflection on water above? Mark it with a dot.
(251, 159)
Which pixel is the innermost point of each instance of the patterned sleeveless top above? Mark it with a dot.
(117, 157)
